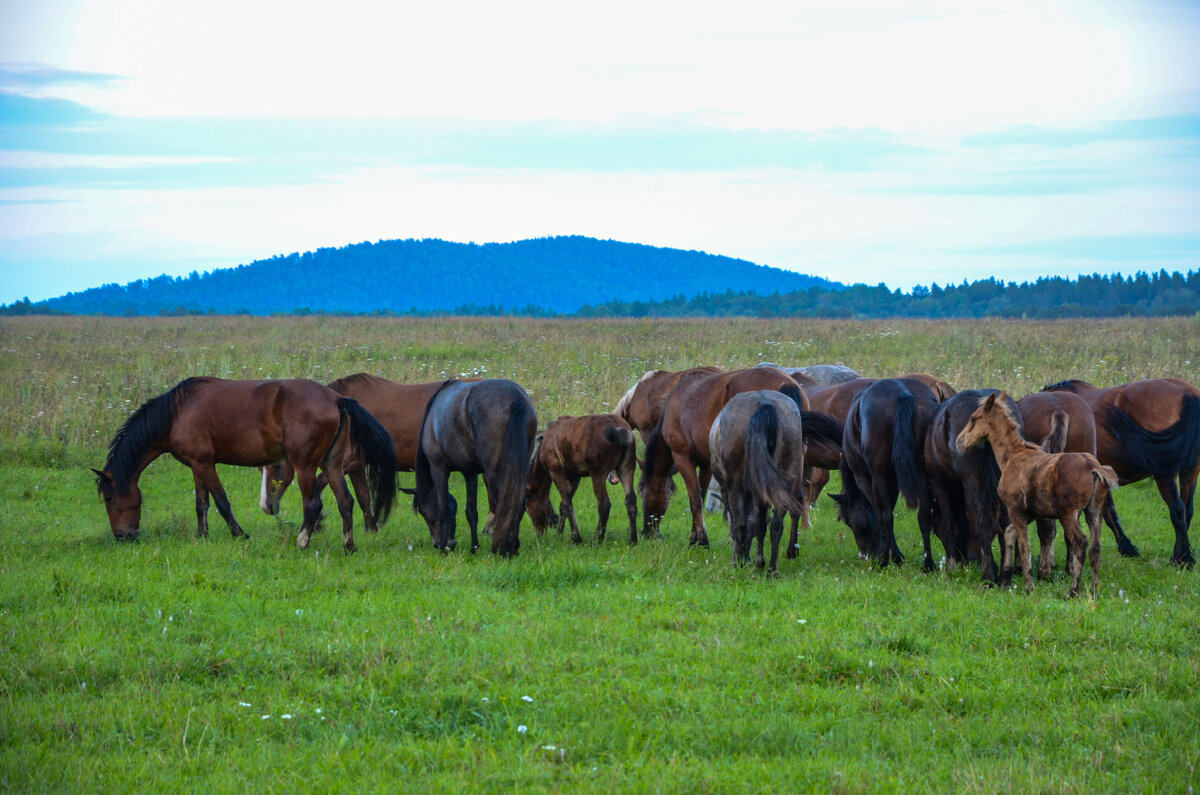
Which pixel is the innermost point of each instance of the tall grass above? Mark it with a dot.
(177, 663)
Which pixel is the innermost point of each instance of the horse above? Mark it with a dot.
(882, 459)
(680, 440)
(207, 421)
(575, 447)
(1150, 429)
(1041, 414)
(969, 513)
(1034, 483)
(479, 428)
(757, 444)
(642, 405)
(400, 409)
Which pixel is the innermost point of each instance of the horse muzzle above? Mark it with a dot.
(127, 535)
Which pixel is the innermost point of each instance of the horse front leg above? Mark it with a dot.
(1169, 491)
(687, 470)
(205, 477)
(471, 510)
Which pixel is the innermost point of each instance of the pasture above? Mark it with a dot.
(178, 663)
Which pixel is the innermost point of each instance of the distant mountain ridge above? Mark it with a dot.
(552, 275)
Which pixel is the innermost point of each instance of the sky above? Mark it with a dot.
(905, 143)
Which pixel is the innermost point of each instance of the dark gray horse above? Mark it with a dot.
(757, 445)
(482, 428)
(821, 373)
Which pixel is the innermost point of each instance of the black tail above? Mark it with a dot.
(373, 446)
(795, 393)
(904, 449)
(823, 435)
(764, 479)
(622, 438)
(512, 477)
(1157, 453)
(1056, 440)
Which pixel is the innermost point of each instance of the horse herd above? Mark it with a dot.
(974, 465)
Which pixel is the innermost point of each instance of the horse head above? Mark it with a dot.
(124, 505)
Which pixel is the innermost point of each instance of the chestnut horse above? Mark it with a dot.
(400, 408)
(1034, 483)
(1039, 412)
(882, 459)
(680, 440)
(1150, 429)
(970, 514)
(207, 421)
(575, 447)
(481, 428)
(757, 444)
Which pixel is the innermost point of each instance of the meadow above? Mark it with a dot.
(184, 664)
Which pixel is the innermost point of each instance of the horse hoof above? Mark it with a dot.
(1129, 551)
(349, 548)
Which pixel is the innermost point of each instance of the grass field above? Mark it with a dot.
(181, 664)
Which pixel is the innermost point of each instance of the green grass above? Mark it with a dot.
(656, 667)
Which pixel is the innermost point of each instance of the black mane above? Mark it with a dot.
(1070, 385)
(345, 382)
(145, 426)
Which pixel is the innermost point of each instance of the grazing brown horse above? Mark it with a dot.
(207, 421)
(575, 447)
(969, 513)
(680, 441)
(757, 444)
(882, 459)
(400, 408)
(1150, 429)
(1044, 412)
(481, 428)
(1034, 483)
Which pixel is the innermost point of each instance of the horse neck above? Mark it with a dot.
(127, 466)
(1006, 440)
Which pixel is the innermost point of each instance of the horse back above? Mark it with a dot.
(1037, 411)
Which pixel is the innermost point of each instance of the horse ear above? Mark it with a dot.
(990, 402)
(105, 476)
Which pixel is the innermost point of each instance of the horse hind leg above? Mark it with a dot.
(1169, 491)
(311, 498)
(1124, 545)
(345, 503)
(1096, 527)
(1076, 548)
(1046, 531)
(776, 537)
(362, 494)
(603, 506)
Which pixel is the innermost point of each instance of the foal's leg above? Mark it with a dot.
(603, 505)
(566, 487)
(1169, 491)
(1022, 527)
(205, 477)
(1046, 532)
(630, 504)
(1076, 545)
(1095, 525)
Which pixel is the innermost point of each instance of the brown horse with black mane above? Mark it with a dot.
(400, 408)
(680, 440)
(203, 422)
(1150, 429)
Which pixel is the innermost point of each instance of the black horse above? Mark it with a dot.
(882, 458)
(481, 428)
(969, 512)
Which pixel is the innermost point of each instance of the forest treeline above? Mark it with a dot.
(1150, 295)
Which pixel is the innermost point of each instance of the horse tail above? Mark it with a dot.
(656, 447)
(764, 479)
(823, 435)
(373, 446)
(904, 448)
(622, 439)
(1157, 453)
(795, 393)
(1056, 439)
(513, 475)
